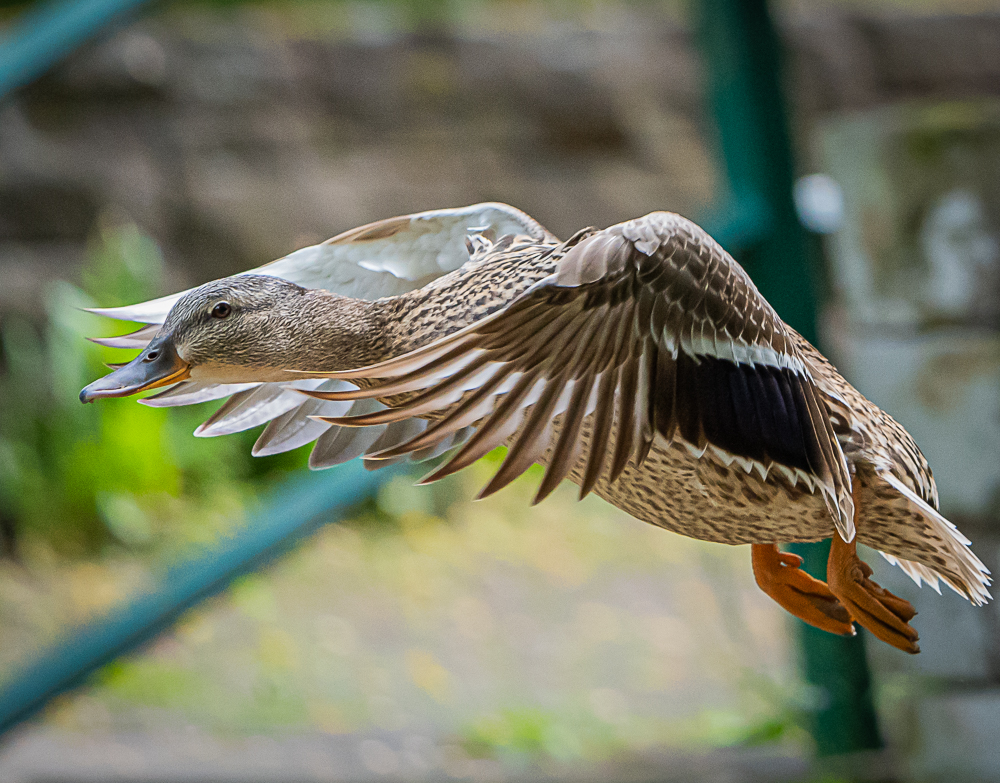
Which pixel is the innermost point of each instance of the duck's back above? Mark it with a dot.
(495, 275)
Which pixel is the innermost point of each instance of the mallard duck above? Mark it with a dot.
(640, 362)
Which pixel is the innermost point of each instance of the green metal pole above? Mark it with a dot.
(741, 56)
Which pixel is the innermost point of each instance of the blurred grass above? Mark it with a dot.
(561, 633)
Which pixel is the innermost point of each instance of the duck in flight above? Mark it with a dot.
(639, 362)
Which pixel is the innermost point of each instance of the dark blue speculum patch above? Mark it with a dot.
(758, 412)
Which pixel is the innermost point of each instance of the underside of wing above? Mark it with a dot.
(647, 328)
(400, 254)
(385, 258)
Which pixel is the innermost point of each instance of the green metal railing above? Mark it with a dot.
(295, 510)
(47, 32)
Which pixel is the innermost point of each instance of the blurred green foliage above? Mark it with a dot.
(79, 478)
(532, 732)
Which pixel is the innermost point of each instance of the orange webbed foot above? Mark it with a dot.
(885, 615)
(778, 574)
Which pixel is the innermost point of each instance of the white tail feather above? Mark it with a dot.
(969, 577)
(916, 571)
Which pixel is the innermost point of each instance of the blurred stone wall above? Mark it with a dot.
(903, 114)
(849, 61)
(233, 140)
(235, 136)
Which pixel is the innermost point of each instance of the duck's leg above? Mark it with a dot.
(887, 616)
(778, 574)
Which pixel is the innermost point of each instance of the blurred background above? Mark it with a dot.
(418, 635)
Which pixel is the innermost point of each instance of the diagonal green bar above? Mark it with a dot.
(741, 55)
(49, 31)
(296, 509)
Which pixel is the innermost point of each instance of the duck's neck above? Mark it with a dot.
(313, 332)
(332, 332)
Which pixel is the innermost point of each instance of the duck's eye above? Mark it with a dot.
(221, 310)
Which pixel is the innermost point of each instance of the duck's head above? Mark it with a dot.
(242, 329)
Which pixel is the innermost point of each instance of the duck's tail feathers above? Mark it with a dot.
(962, 571)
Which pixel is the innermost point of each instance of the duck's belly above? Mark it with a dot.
(704, 498)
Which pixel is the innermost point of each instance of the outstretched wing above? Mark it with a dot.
(648, 327)
(385, 258)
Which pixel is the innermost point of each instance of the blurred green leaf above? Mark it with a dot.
(78, 478)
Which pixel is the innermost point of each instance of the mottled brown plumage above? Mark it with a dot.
(639, 362)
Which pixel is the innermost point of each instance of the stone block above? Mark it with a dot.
(958, 737)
